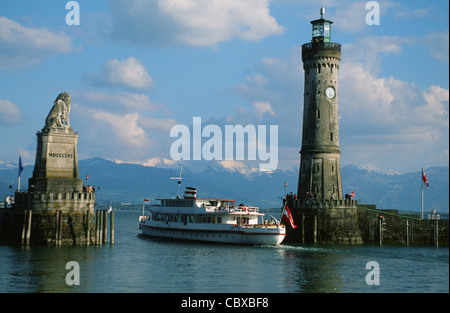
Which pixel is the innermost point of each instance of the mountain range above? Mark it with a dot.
(119, 182)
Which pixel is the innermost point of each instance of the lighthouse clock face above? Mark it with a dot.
(330, 92)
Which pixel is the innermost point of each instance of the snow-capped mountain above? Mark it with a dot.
(372, 168)
(127, 182)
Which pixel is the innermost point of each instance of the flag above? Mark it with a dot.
(287, 217)
(424, 178)
(146, 201)
(20, 165)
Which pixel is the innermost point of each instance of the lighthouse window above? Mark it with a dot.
(317, 30)
(331, 137)
(318, 116)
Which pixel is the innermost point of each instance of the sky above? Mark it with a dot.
(134, 69)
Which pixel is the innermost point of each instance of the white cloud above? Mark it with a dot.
(386, 121)
(10, 114)
(128, 74)
(119, 126)
(158, 125)
(438, 45)
(350, 17)
(437, 106)
(126, 128)
(23, 46)
(120, 101)
(192, 22)
(402, 11)
(160, 162)
(274, 95)
(262, 107)
(370, 50)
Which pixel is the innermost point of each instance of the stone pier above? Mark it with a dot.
(55, 209)
(325, 221)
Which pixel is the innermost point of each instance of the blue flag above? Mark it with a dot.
(20, 165)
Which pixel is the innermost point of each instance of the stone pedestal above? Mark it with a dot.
(56, 166)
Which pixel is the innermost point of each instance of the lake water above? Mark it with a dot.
(138, 264)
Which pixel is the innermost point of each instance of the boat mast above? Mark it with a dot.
(179, 180)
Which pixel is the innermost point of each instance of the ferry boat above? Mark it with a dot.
(213, 220)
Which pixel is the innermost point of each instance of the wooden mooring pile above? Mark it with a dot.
(63, 227)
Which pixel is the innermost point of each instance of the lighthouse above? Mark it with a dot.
(320, 175)
(320, 210)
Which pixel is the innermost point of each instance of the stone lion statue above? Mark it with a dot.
(59, 114)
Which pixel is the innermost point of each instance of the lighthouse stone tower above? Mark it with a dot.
(320, 210)
(320, 167)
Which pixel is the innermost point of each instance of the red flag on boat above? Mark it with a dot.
(146, 201)
(424, 178)
(287, 217)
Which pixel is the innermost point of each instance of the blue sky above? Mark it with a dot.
(136, 68)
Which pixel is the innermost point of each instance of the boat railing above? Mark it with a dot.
(244, 208)
(238, 209)
(260, 225)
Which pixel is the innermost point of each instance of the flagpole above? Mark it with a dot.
(282, 210)
(20, 171)
(284, 201)
(421, 183)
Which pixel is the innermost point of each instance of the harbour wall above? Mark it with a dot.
(324, 221)
(393, 227)
(49, 218)
(347, 222)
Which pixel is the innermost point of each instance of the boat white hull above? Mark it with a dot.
(223, 234)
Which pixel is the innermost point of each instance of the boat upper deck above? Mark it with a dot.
(207, 205)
